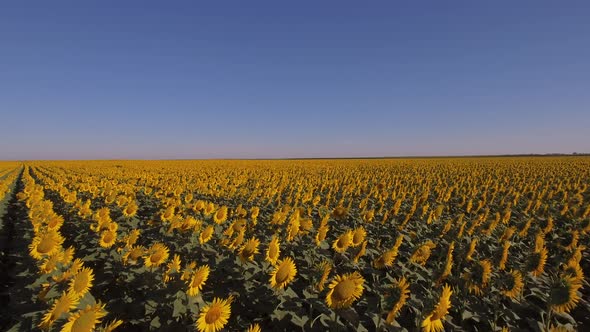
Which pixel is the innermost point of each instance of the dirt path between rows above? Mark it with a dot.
(17, 268)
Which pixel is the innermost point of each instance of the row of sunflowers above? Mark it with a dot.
(493, 244)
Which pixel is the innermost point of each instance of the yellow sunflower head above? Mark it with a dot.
(86, 319)
(386, 259)
(82, 282)
(324, 268)
(273, 251)
(340, 213)
(358, 236)
(478, 277)
(512, 284)
(130, 210)
(107, 239)
(63, 305)
(342, 242)
(45, 244)
(132, 255)
(198, 279)
(321, 234)
(209, 209)
(221, 215)
(345, 290)
(214, 317)
(563, 294)
(397, 297)
(434, 321)
(156, 255)
(283, 273)
(249, 249)
(206, 234)
(535, 263)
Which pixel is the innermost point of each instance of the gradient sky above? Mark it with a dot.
(251, 79)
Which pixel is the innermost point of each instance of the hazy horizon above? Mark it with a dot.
(148, 80)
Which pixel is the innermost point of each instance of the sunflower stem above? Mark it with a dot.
(548, 322)
(335, 320)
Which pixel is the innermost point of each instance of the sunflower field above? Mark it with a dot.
(456, 244)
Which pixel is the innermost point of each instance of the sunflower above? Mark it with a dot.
(86, 319)
(60, 307)
(293, 226)
(238, 240)
(254, 212)
(45, 288)
(513, 285)
(67, 256)
(214, 317)
(504, 257)
(321, 234)
(421, 255)
(342, 242)
(132, 237)
(45, 244)
(198, 280)
(248, 250)
(535, 263)
(340, 212)
(188, 270)
(398, 295)
(273, 251)
(471, 249)
(133, 254)
(206, 234)
(209, 209)
(570, 240)
(174, 266)
(386, 259)
(478, 277)
(563, 294)
(130, 210)
(369, 216)
(573, 269)
(434, 321)
(199, 206)
(82, 282)
(221, 215)
(358, 236)
(344, 290)
(539, 241)
(362, 251)
(448, 263)
(77, 264)
(112, 226)
(254, 328)
(107, 239)
(55, 222)
(50, 263)
(283, 273)
(156, 255)
(325, 268)
(168, 214)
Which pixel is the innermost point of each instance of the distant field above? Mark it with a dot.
(471, 244)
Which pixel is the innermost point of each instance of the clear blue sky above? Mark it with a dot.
(165, 79)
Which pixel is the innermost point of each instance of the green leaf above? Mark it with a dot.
(179, 308)
(155, 323)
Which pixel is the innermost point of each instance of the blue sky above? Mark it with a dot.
(250, 79)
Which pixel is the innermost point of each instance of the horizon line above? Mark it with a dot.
(574, 154)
